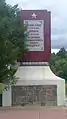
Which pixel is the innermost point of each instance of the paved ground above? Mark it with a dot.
(40, 113)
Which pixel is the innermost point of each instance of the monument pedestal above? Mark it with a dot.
(37, 83)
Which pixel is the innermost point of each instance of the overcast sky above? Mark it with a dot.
(58, 9)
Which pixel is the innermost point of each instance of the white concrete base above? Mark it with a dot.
(37, 75)
(6, 99)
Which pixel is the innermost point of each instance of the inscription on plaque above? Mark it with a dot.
(34, 94)
(35, 29)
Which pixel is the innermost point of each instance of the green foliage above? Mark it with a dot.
(58, 63)
(1, 88)
(62, 53)
(12, 41)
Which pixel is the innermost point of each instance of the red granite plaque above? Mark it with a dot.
(38, 24)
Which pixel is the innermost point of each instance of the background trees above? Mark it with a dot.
(58, 63)
(12, 41)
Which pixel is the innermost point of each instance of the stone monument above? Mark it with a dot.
(36, 82)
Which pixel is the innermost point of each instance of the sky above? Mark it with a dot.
(58, 10)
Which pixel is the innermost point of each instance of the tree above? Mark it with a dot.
(12, 41)
(61, 68)
(62, 52)
(58, 63)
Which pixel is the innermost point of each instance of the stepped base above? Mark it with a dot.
(40, 85)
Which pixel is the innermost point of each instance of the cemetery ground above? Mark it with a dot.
(33, 113)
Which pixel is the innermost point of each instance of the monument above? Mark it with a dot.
(36, 82)
(39, 35)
